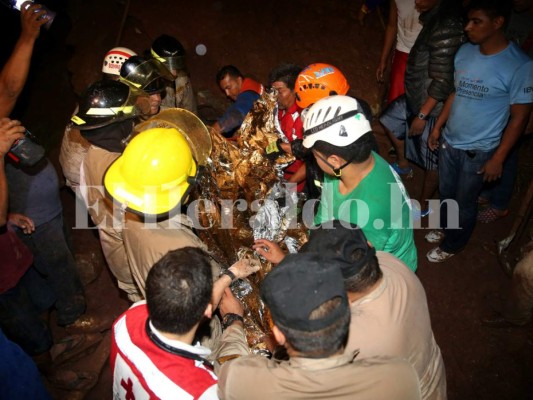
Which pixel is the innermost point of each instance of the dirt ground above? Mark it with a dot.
(481, 362)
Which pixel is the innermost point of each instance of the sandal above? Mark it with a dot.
(490, 214)
(437, 255)
(435, 236)
(405, 173)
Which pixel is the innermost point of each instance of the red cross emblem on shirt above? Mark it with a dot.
(128, 387)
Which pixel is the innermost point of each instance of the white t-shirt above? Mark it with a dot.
(408, 25)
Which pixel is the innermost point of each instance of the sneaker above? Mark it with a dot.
(405, 173)
(489, 214)
(417, 213)
(437, 255)
(426, 212)
(435, 236)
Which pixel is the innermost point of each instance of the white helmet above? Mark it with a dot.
(114, 59)
(338, 120)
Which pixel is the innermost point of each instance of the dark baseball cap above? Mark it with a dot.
(300, 284)
(338, 241)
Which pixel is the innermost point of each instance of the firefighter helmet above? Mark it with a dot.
(105, 102)
(169, 51)
(154, 174)
(148, 75)
(114, 59)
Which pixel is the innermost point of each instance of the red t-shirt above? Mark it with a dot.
(292, 126)
(16, 258)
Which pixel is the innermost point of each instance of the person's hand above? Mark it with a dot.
(492, 170)
(10, 130)
(217, 128)
(433, 139)
(243, 268)
(417, 127)
(269, 250)
(21, 221)
(380, 71)
(286, 147)
(230, 304)
(32, 17)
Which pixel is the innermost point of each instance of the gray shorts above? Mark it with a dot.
(397, 118)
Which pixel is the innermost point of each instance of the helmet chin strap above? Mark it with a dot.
(338, 171)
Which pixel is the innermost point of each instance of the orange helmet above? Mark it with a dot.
(317, 81)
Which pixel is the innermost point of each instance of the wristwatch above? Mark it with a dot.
(230, 318)
(229, 273)
(422, 116)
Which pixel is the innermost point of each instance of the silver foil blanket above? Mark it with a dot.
(240, 198)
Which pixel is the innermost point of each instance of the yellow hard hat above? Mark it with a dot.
(154, 173)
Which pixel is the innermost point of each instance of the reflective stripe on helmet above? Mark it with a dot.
(129, 197)
(109, 111)
(77, 120)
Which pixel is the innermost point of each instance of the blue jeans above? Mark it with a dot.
(499, 193)
(459, 180)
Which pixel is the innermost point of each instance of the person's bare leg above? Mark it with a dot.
(430, 185)
(399, 146)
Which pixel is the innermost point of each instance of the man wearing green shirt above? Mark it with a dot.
(359, 186)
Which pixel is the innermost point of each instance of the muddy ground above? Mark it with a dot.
(481, 362)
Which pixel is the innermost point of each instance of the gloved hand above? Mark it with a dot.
(274, 150)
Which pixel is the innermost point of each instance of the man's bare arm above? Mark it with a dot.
(15, 71)
(516, 126)
(9, 132)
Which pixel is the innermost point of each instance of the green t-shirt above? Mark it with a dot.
(379, 205)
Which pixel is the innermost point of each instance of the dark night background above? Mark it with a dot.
(481, 363)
